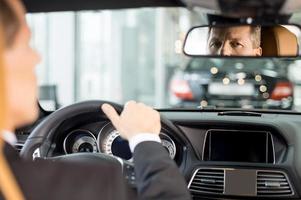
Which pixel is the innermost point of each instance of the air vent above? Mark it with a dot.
(19, 146)
(209, 181)
(273, 183)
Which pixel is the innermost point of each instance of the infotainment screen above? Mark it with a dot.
(238, 146)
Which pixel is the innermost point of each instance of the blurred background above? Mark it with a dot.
(136, 54)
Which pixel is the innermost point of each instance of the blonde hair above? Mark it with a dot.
(8, 184)
(10, 21)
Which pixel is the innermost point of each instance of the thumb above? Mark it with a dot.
(111, 114)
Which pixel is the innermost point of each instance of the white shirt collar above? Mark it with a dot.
(9, 137)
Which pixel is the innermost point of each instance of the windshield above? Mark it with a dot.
(136, 54)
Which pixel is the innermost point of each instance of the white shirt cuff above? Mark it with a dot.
(143, 137)
(9, 137)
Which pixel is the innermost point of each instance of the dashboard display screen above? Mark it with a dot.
(237, 146)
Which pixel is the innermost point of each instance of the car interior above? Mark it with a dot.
(223, 152)
(277, 41)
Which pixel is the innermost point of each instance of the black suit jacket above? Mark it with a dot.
(157, 177)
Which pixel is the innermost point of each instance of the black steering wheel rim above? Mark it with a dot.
(40, 134)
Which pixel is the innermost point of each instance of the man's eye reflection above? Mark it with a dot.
(236, 44)
(215, 44)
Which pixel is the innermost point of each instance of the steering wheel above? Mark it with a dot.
(41, 137)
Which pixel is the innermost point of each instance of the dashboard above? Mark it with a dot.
(241, 157)
(221, 157)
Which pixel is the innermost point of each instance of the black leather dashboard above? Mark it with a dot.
(286, 132)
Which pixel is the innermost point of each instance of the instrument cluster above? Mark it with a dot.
(108, 141)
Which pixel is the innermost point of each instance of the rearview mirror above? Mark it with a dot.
(243, 41)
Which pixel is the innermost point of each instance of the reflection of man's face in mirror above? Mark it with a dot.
(235, 41)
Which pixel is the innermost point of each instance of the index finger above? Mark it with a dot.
(112, 115)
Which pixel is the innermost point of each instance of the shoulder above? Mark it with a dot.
(45, 179)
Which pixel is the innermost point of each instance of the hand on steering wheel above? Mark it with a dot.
(136, 118)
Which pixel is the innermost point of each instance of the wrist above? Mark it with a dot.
(142, 137)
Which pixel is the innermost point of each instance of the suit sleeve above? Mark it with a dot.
(46, 180)
(157, 176)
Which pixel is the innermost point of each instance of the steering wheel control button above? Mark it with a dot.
(129, 173)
